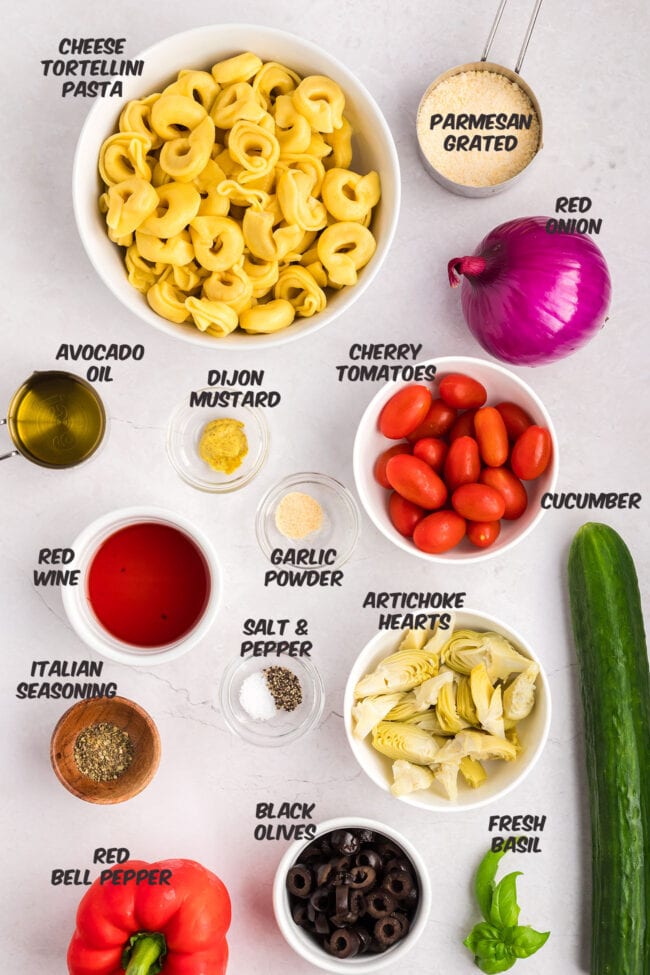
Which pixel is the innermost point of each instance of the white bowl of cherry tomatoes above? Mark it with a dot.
(455, 470)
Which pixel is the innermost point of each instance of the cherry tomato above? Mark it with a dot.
(477, 502)
(432, 451)
(462, 392)
(531, 453)
(463, 464)
(492, 436)
(379, 470)
(416, 481)
(436, 423)
(404, 514)
(513, 491)
(463, 426)
(483, 533)
(439, 532)
(404, 411)
(515, 419)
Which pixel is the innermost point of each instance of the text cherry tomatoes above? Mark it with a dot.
(515, 419)
(379, 470)
(463, 426)
(404, 411)
(513, 491)
(432, 451)
(531, 453)
(416, 481)
(439, 532)
(492, 436)
(436, 423)
(462, 392)
(404, 514)
(463, 464)
(477, 502)
(483, 533)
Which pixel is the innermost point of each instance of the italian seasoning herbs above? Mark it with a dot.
(268, 691)
(103, 752)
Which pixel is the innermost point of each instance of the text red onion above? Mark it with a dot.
(531, 297)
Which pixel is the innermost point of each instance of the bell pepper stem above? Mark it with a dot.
(146, 952)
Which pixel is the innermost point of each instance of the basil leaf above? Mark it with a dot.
(525, 941)
(481, 934)
(504, 910)
(484, 884)
(493, 967)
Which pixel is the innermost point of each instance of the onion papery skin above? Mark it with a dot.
(538, 297)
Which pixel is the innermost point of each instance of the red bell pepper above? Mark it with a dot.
(176, 924)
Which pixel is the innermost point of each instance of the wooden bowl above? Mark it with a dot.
(128, 716)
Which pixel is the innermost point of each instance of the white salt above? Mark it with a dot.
(256, 698)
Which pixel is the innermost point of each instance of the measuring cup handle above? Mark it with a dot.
(527, 36)
(12, 453)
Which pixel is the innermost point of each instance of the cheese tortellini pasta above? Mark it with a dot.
(233, 194)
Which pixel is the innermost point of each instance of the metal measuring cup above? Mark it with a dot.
(484, 65)
(60, 433)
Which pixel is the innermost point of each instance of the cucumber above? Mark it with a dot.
(615, 686)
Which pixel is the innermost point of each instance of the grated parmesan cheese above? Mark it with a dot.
(478, 128)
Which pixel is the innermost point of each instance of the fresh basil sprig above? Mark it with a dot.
(498, 941)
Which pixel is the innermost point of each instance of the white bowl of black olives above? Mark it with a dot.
(355, 897)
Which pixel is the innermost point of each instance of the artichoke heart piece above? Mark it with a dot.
(415, 639)
(398, 740)
(401, 671)
(465, 702)
(468, 648)
(477, 745)
(369, 712)
(446, 710)
(408, 778)
(407, 707)
(447, 777)
(472, 771)
(489, 706)
(426, 695)
(429, 722)
(519, 696)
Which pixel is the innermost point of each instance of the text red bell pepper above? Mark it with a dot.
(176, 924)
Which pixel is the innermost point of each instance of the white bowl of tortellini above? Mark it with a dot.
(447, 719)
(243, 193)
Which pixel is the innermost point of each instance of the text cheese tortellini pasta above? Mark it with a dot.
(234, 195)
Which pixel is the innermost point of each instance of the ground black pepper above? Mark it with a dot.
(103, 752)
(285, 688)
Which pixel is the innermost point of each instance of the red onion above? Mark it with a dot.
(531, 297)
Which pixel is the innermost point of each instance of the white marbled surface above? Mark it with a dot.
(587, 65)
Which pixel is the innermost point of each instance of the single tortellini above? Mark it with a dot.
(124, 155)
(218, 242)
(270, 317)
(234, 196)
(350, 196)
(215, 317)
(178, 204)
(295, 284)
(321, 101)
(343, 249)
(129, 204)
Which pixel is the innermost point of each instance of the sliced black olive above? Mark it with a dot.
(321, 899)
(411, 900)
(387, 931)
(299, 915)
(399, 883)
(388, 850)
(312, 852)
(367, 857)
(357, 902)
(380, 903)
(403, 920)
(364, 937)
(321, 924)
(342, 896)
(344, 943)
(323, 873)
(344, 841)
(362, 878)
(299, 881)
(399, 863)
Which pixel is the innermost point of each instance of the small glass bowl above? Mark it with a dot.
(341, 522)
(284, 726)
(184, 433)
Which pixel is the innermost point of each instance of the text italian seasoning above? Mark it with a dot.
(478, 128)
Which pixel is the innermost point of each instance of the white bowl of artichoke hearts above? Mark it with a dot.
(244, 192)
(448, 719)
